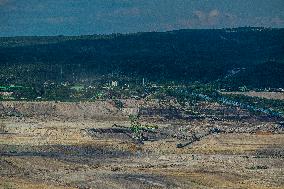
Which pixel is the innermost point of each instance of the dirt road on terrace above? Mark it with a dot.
(267, 95)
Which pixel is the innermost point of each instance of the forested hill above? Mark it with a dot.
(183, 55)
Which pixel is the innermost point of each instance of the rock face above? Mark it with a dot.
(98, 109)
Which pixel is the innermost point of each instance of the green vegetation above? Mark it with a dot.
(138, 129)
(259, 104)
(229, 58)
(187, 65)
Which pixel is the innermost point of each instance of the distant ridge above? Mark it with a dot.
(204, 55)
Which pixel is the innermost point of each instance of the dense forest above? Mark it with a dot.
(229, 57)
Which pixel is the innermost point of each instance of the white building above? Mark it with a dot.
(114, 83)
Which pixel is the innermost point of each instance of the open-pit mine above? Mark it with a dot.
(88, 145)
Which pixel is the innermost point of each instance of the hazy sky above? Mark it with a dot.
(76, 17)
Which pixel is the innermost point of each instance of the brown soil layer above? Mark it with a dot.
(61, 152)
(268, 95)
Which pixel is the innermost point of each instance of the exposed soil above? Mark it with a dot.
(75, 146)
(268, 95)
